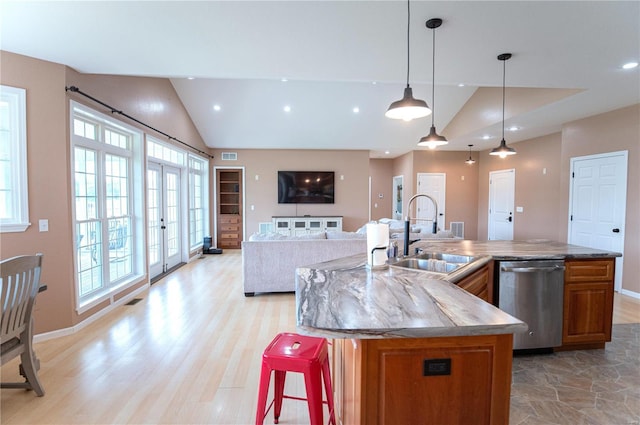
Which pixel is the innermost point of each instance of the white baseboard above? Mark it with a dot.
(70, 331)
(630, 293)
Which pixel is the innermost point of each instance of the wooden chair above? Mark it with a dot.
(20, 284)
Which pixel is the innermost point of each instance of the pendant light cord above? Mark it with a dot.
(433, 77)
(504, 70)
(408, 32)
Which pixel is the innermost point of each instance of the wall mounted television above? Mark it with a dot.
(306, 187)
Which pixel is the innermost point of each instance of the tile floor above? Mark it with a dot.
(580, 387)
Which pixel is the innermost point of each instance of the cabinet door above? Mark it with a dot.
(333, 225)
(298, 227)
(480, 283)
(588, 310)
(315, 226)
(282, 225)
(588, 301)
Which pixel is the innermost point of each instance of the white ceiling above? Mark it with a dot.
(332, 53)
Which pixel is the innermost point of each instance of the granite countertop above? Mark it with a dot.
(344, 298)
(535, 249)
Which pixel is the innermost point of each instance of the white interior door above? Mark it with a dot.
(397, 198)
(163, 211)
(434, 185)
(598, 198)
(501, 204)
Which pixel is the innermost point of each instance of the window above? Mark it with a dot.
(198, 200)
(14, 206)
(107, 168)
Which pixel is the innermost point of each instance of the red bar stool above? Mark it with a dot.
(296, 353)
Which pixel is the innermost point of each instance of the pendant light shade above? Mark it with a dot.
(408, 108)
(433, 139)
(470, 161)
(503, 150)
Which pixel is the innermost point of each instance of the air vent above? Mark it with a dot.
(457, 229)
(229, 156)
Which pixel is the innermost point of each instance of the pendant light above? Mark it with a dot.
(408, 107)
(433, 139)
(503, 150)
(470, 161)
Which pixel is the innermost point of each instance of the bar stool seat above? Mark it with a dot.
(289, 352)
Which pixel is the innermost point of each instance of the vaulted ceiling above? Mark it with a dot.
(339, 55)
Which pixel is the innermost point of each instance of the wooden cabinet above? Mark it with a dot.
(229, 200)
(480, 283)
(588, 302)
(443, 380)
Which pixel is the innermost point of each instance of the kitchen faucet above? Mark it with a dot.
(408, 219)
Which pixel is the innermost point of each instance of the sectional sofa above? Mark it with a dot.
(269, 261)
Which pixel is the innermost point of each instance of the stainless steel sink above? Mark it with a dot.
(435, 262)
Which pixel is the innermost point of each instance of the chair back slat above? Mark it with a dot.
(20, 278)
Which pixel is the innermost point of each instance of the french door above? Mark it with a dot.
(164, 228)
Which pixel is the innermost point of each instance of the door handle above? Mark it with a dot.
(510, 219)
(616, 230)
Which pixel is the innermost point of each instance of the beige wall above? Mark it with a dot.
(538, 193)
(614, 131)
(351, 184)
(381, 173)
(461, 185)
(153, 101)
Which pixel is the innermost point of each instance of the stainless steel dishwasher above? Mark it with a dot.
(532, 291)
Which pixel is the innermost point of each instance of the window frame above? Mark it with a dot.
(16, 99)
(111, 279)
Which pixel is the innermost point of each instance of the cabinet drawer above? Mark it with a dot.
(229, 228)
(228, 243)
(589, 270)
(228, 220)
(229, 236)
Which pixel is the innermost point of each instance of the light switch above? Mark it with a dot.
(519, 209)
(43, 224)
(253, 207)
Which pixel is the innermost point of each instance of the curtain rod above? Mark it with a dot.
(75, 89)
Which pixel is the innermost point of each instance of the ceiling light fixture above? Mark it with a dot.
(433, 139)
(503, 150)
(630, 65)
(470, 160)
(408, 107)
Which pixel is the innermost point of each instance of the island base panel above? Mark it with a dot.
(382, 381)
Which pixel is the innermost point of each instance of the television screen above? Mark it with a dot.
(305, 187)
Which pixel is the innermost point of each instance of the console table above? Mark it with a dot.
(304, 225)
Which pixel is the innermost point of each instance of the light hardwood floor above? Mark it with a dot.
(188, 353)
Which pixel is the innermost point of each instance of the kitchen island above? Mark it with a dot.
(410, 346)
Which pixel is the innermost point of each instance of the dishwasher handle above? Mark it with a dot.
(531, 269)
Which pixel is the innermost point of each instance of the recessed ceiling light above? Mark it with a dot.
(284, 80)
(630, 65)
(216, 107)
(486, 137)
(356, 110)
(387, 152)
(191, 78)
(287, 108)
(513, 128)
(461, 85)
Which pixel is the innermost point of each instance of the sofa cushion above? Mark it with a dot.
(271, 236)
(346, 235)
(317, 235)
